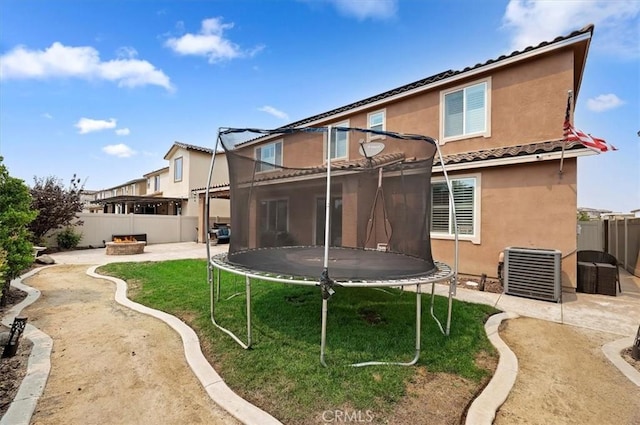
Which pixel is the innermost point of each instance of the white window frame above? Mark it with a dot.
(156, 183)
(176, 177)
(346, 134)
(260, 148)
(370, 115)
(487, 111)
(474, 238)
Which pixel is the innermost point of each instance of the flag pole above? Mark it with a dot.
(567, 120)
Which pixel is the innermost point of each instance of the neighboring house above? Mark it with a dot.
(499, 124)
(118, 199)
(189, 167)
(172, 190)
(87, 197)
(593, 213)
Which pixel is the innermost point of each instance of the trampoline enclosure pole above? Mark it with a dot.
(327, 233)
(454, 280)
(207, 207)
(327, 218)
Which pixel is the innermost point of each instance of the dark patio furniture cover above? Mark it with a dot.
(587, 277)
(600, 257)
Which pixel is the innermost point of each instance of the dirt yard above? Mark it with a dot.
(110, 364)
(565, 378)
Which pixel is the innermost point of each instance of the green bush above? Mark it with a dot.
(68, 238)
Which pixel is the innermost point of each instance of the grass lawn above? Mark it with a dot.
(282, 373)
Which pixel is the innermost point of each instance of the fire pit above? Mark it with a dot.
(125, 246)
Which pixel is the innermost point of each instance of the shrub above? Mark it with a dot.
(68, 238)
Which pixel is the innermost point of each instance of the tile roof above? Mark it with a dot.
(509, 152)
(437, 77)
(193, 147)
(393, 158)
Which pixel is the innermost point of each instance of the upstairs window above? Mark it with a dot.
(376, 122)
(339, 142)
(269, 156)
(156, 183)
(466, 111)
(177, 169)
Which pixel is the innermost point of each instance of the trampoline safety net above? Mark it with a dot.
(379, 201)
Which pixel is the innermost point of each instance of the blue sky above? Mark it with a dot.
(102, 89)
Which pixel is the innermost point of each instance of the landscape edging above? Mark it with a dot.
(483, 409)
(32, 386)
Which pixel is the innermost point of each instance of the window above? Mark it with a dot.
(149, 183)
(269, 156)
(156, 183)
(376, 122)
(465, 195)
(465, 111)
(177, 169)
(274, 215)
(339, 142)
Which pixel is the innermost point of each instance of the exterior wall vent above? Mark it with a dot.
(533, 273)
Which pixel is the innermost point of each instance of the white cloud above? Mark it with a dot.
(604, 102)
(616, 22)
(126, 52)
(60, 61)
(120, 150)
(88, 125)
(275, 112)
(210, 42)
(365, 9)
(123, 131)
(47, 116)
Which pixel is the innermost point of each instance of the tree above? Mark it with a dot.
(15, 215)
(57, 206)
(583, 216)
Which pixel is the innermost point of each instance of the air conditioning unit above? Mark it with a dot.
(533, 273)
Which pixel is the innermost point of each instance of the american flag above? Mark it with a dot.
(572, 134)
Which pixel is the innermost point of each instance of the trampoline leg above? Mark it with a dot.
(433, 295)
(218, 284)
(248, 311)
(223, 329)
(323, 333)
(418, 322)
(451, 294)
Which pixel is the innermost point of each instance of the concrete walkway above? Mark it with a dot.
(617, 315)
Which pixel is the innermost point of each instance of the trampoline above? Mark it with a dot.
(331, 207)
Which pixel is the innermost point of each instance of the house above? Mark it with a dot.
(499, 126)
(170, 190)
(592, 213)
(118, 199)
(87, 197)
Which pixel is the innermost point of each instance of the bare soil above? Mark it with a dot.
(565, 378)
(112, 365)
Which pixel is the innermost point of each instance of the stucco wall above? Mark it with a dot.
(528, 205)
